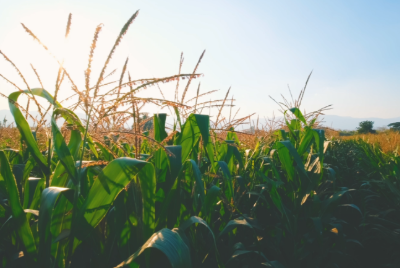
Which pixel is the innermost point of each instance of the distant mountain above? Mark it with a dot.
(333, 121)
(348, 123)
(6, 114)
(351, 123)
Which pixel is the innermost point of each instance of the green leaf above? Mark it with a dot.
(333, 199)
(284, 157)
(306, 141)
(14, 156)
(178, 117)
(196, 220)
(29, 191)
(226, 153)
(238, 156)
(48, 200)
(72, 118)
(233, 137)
(319, 136)
(298, 115)
(74, 143)
(223, 151)
(169, 211)
(118, 174)
(175, 164)
(281, 134)
(60, 176)
(269, 161)
(167, 166)
(232, 224)
(252, 256)
(210, 153)
(352, 206)
(25, 130)
(34, 204)
(273, 264)
(170, 243)
(198, 184)
(29, 165)
(295, 156)
(203, 123)
(195, 126)
(2, 212)
(17, 211)
(160, 195)
(189, 176)
(107, 154)
(28, 194)
(317, 224)
(62, 150)
(276, 198)
(159, 127)
(210, 200)
(227, 180)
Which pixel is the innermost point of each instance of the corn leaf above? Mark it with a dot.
(48, 200)
(17, 211)
(62, 150)
(196, 126)
(117, 174)
(210, 201)
(170, 243)
(228, 184)
(25, 131)
(298, 115)
(159, 126)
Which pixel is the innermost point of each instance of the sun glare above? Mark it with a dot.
(72, 51)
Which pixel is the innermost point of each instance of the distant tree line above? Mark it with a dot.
(394, 126)
(366, 127)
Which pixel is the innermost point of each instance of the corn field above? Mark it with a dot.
(93, 193)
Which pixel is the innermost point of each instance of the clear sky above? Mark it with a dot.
(256, 47)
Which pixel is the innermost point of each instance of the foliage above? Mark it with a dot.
(394, 126)
(375, 177)
(347, 133)
(366, 127)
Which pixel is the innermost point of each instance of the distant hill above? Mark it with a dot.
(333, 121)
(351, 123)
(6, 114)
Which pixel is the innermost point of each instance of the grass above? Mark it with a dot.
(197, 193)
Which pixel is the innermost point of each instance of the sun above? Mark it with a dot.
(72, 50)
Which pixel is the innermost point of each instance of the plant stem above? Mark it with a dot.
(77, 192)
(48, 172)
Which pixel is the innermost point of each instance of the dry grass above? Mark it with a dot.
(389, 141)
(11, 138)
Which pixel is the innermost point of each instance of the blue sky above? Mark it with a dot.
(256, 47)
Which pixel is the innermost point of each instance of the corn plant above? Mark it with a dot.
(191, 195)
